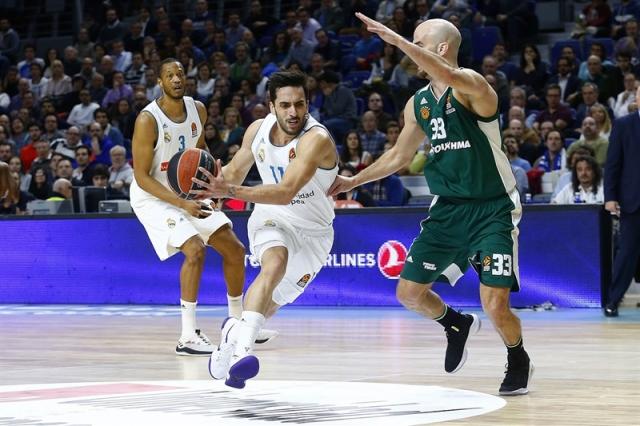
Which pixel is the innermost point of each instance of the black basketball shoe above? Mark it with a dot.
(518, 375)
(457, 336)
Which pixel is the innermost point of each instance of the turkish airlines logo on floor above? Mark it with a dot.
(391, 258)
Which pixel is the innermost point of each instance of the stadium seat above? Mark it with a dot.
(605, 41)
(360, 105)
(354, 79)
(265, 41)
(484, 39)
(556, 50)
(347, 63)
(568, 142)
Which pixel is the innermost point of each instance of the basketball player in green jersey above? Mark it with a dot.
(473, 218)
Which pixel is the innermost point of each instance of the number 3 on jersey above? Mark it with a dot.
(437, 128)
(181, 139)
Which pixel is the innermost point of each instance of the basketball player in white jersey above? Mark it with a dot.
(290, 229)
(173, 123)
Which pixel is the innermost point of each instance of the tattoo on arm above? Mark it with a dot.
(231, 192)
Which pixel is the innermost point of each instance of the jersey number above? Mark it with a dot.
(181, 139)
(501, 265)
(275, 175)
(437, 128)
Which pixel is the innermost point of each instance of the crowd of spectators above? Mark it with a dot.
(67, 119)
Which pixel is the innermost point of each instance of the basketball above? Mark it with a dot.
(183, 166)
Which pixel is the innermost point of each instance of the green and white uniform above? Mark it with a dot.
(474, 217)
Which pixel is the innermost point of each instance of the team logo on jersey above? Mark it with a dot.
(486, 263)
(164, 166)
(171, 223)
(269, 223)
(448, 101)
(261, 154)
(391, 258)
(292, 154)
(425, 112)
(194, 129)
(449, 109)
(302, 282)
(167, 137)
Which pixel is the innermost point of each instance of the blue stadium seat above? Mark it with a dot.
(354, 79)
(556, 50)
(605, 41)
(568, 142)
(347, 42)
(265, 41)
(347, 63)
(360, 104)
(484, 39)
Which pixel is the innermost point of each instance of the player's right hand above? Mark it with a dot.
(613, 207)
(196, 208)
(341, 184)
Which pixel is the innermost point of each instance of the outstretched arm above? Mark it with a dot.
(483, 100)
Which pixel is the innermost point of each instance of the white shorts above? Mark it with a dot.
(169, 227)
(308, 252)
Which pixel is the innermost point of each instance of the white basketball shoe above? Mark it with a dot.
(197, 344)
(221, 357)
(265, 335)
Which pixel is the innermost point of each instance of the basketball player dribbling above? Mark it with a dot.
(170, 124)
(290, 229)
(474, 216)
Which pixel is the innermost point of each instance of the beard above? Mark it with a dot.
(285, 126)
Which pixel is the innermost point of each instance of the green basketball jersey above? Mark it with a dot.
(466, 159)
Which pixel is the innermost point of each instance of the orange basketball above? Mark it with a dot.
(184, 165)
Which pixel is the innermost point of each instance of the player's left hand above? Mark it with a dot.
(214, 186)
(384, 32)
(341, 184)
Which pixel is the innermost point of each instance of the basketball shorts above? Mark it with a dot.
(308, 251)
(169, 227)
(458, 234)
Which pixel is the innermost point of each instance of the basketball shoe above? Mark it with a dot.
(242, 369)
(197, 344)
(265, 335)
(457, 336)
(221, 357)
(518, 375)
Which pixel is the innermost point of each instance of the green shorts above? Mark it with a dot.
(457, 234)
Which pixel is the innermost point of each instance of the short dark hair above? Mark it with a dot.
(100, 170)
(167, 61)
(99, 110)
(281, 79)
(83, 147)
(329, 76)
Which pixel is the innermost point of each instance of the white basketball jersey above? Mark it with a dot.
(311, 208)
(172, 137)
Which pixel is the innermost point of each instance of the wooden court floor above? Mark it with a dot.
(587, 366)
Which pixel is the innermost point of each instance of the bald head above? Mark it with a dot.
(439, 36)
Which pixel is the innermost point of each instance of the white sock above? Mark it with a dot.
(248, 329)
(188, 310)
(235, 306)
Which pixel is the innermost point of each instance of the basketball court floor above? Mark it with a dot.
(115, 365)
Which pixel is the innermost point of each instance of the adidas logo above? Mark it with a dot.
(423, 101)
(410, 259)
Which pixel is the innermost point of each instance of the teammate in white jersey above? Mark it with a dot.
(290, 230)
(170, 124)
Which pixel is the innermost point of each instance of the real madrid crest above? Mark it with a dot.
(261, 155)
(425, 112)
(167, 137)
(171, 223)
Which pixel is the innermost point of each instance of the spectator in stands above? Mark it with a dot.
(239, 70)
(83, 171)
(308, 24)
(135, 71)
(37, 83)
(87, 70)
(300, 50)
(139, 101)
(72, 98)
(222, 91)
(11, 80)
(586, 184)
(501, 56)
(51, 131)
(372, 139)
(17, 99)
(512, 146)
(594, 20)
(97, 89)
(64, 170)
(121, 58)
(556, 156)
(625, 99)
(83, 44)
(355, 198)
(151, 87)
(625, 11)
(597, 75)
(204, 82)
(388, 192)
(533, 73)
(490, 67)
(382, 68)
(329, 49)
(630, 43)
(596, 49)
(600, 113)
(19, 136)
(40, 187)
(591, 138)
(61, 190)
(134, 39)
(258, 21)
(12, 199)
(70, 61)
(113, 29)
(386, 8)
(559, 114)
(234, 29)
(375, 104)
(400, 23)
(353, 154)
(217, 147)
(278, 51)
(516, 19)
(590, 94)
(102, 116)
(27, 150)
(100, 176)
(15, 167)
(339, 110)
(124, 118)
(367, 49)
(107, 69)
(67, 145)
(100, 143)
(120, 172)
(232, 131)
(330, 16)
(29, 55)
(530, 144)
(6, 152)
(59, 84)
(260, 81)
(119, 90)
(201, 15)
(565, 178)
(569, 84)
(9, 46)
(43, 156)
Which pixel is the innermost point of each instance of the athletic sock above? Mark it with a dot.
(188, 311)
(248, 329)
(235, 306)
(449, 317)
(517, 349)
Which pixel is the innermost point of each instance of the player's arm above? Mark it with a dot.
(391, 161)
(237, 169)
(202, 113)
(483, 100)
(145, 134)
(314, 149)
